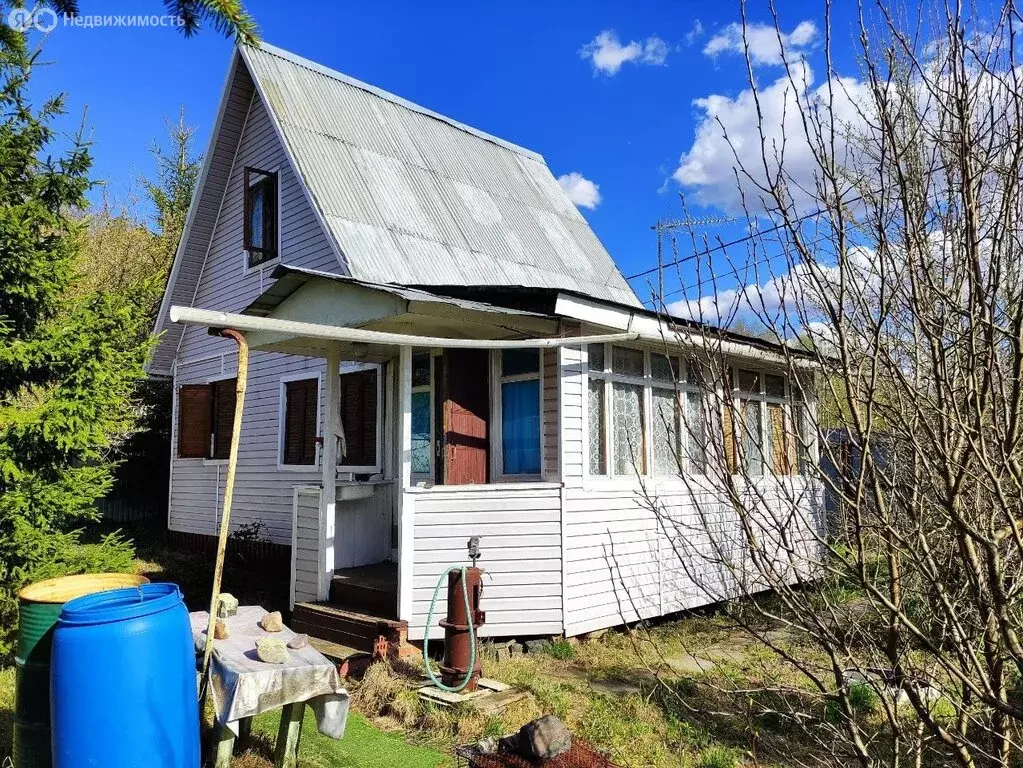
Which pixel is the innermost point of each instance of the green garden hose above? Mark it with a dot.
(472, 633)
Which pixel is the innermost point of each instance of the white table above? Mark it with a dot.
(243, 686)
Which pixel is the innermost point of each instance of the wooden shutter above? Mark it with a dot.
(728, 428)
(194, 421)
(780, 439)
(466, 416)
(359, 418)
(270, 218)
(300, 421)
(224, 396)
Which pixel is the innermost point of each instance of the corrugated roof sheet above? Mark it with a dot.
(413, 197)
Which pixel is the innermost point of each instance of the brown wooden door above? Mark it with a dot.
(466, 416)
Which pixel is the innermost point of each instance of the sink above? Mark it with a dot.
(354, 491)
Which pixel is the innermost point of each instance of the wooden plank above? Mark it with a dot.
(288, 735)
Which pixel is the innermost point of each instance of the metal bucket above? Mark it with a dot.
(39, 605)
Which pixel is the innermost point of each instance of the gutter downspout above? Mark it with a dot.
(225, 518)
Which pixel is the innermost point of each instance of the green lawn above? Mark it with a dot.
(362, 747)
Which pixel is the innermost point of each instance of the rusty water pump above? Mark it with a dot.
(462, 668)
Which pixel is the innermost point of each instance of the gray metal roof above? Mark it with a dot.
(412, 197)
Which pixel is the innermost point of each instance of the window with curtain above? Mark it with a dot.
(765, 432)
(636, 416)
(520, 389)
(422, 414)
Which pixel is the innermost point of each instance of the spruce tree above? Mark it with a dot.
(69, 359)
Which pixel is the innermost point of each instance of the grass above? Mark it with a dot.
(363, 746)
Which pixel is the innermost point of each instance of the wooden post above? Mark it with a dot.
(406, 508)
(328, 494)
(288, 735)
(224, 747)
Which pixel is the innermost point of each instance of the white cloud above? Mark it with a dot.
(763, 41)
(728, 138)
(580, 190)
(607, 53)
(695, 32)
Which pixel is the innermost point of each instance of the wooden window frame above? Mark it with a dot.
(377, 468)
(282, 415)
(213, 383)
(180, 422)
(737, 396)
(497, 472)
(253, 178)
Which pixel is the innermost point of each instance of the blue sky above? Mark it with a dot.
(605, 90)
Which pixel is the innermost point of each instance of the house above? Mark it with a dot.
(426, 296)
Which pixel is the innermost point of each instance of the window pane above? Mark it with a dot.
(421, 370)
(627, 417)
(518, 361)
(663, 369)
(802, 438)
(695, 373)
(628, 362)
(664, 432)
(520, 427)
(421, 444)
(774, 385)
(257, 202)
(749, 381)
(595, 415)
(595, 353)
(694, 436)
(753, 457)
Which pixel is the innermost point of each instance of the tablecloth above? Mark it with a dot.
(243, 686)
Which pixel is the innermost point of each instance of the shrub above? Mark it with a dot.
(719, 757)
(560, 649)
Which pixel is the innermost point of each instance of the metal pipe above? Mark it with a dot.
(225, 517)
(214, 319)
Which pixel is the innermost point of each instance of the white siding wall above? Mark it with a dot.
(623, 560)
(263, 492)
(520, 538)
(306, 547)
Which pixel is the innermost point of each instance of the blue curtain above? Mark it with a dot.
(520, 427)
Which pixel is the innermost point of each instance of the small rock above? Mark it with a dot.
(544, 739)
(272, 622)
(200, 643)
(298, 641)
(227, 605)
(272, 650)
(516, 649)
(594, 635)
(220, 630)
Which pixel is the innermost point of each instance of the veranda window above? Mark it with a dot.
(654, 424)
(762, 424)
(360, 420)
(422, 415)
(520, 392)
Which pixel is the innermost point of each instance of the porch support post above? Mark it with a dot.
(328, 496)
(406, 506)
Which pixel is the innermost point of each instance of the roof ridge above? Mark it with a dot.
(301, 61)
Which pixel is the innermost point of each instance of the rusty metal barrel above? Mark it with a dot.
(458, 641)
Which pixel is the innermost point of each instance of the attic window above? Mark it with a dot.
(260, 216)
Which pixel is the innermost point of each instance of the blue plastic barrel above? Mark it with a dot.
(122, 681)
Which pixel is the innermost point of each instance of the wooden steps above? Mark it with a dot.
(371, 590)
(360, 631)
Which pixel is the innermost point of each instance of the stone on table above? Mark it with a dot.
(271, 650)
(298, 641)
(272, 622)
(220, 630)
(227, 605)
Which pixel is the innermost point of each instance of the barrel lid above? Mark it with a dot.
(121, 604)
(65, 588)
